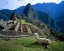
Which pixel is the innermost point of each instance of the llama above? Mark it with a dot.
(43, 41)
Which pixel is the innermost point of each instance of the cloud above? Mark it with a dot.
(13, 4)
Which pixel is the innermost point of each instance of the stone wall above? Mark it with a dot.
(10, 33)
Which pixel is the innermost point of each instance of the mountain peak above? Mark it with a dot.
(28, 4)
(13, 15)
(28, 10)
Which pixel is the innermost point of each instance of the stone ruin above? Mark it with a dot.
(16, 25)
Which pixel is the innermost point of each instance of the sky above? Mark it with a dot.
(13, 4)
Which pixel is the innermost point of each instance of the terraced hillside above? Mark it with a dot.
(29, 43)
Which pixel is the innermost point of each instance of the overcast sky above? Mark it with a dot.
(13, 4)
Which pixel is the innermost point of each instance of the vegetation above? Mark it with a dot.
(57, 34)
(24, 22)
(29, 44)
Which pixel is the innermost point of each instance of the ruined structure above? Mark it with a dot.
(14, 28)
(15, 25)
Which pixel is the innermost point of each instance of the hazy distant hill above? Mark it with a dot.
(54, 10)
(49, 8)
(19, 10)
(5, 14)
(60, 22)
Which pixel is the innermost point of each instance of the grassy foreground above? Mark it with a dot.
(29, 44)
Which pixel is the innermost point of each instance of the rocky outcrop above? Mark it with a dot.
(29, 11)
(14, 16)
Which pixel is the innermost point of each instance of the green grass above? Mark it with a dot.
(24, 22)
(29, 44)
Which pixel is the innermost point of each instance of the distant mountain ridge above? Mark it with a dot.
(30, 12)
(55, 11)
(49, 8)
(5, 14)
